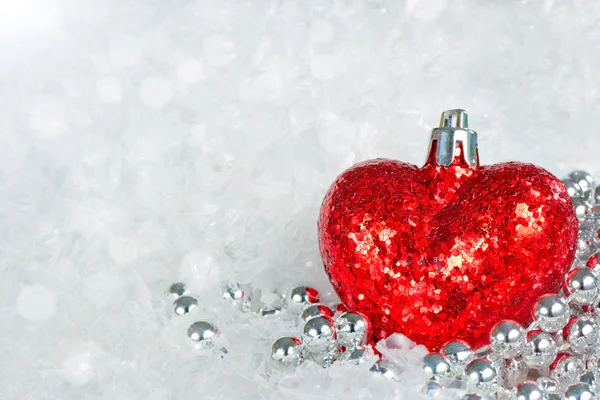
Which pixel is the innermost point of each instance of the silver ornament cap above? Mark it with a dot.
(454, 130)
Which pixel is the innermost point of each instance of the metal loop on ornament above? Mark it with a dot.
(452, 131)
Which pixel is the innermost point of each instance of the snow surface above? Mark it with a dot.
(148, 141)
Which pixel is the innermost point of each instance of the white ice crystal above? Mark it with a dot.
(47, 120)
(79, 368)
(156, 92)
(148, 142)
(36, 303)
(109, 90)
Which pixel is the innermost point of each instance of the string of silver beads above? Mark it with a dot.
(555, 358)
(327, 337)
(558, 356)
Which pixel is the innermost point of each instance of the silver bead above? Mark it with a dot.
(585, 246)
(581, 207)
(302, 296)
(594, 364)
(590, 378)
(481, 373)
(588, 240)
(202, 332)
(579, 391)
(432, 388)
(459, 354)
(386, 368)
(235, 293)
(323, 359)
(508, 339)
(512, 371)
(319, 335)
(584, 180)
(269, 311)
(177, 289)
(597, 196)
(436, 366)
(184, 305)
(541, 350)
(316, 310)
(582, 334)
(287, 352)
(266, 304)
(528, 391)
(353, 329)
(583, 286)
(573, 188)
(552, 313)
(549, 385)
(353, 356)
(567, 369)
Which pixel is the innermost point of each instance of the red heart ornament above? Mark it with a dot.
(447, 250)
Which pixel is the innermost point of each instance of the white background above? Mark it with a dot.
(150, 141)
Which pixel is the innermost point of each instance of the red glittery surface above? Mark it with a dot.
(593, 262)
(438, 253)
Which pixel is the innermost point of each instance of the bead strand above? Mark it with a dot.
(560, 349)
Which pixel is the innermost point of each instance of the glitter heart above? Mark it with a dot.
(445, 251)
